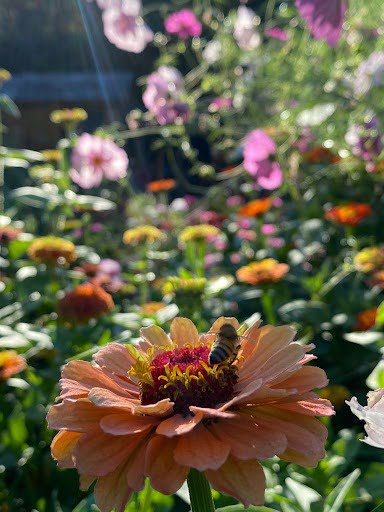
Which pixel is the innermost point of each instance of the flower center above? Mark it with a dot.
(184, 376)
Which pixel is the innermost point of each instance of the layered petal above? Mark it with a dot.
(62, 447)
(244, 480)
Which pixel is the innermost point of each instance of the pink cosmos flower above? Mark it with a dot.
(118, 422)
(276, 33)
(183, 23)
(162, 96)
(94, 158)
(373, 415)
(124, 27)
(245, 32)
(324, 18)
(258, 149)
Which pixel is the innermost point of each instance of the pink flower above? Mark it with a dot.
(244, 223)
(235, 258)
(246, 234)
(124, 27)
(234, 201)
(276, 33)
(324, 18)
(268, 229)
(276, 242)
(162, 96)
(94, 158)
(183, 23)
(161, 408)
(220, 104)
(245, 31)
(258, 149)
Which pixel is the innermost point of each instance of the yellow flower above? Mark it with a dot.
(142, 234)
(152, 307)
(178, 285)
(68, 116)
(370, 259)
(52, 250)
(5, 75)
(53, 155)
(199, 233)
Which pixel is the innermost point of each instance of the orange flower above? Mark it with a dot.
(319, 155)
(159, 409)
(256, 207)
(262, 272)
(8, 234)
(350, 214)
(161, 185)
(10, 363)
(85, 302)
(377, 279)
(152, 307)
(365, 319)
(52, 250)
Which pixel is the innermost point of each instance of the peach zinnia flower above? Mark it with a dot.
(161, 185)
(52, 251)
(262, 272)
(10, 363)
(350, 214)
(256, 207)
(85, 302)
(160, 409)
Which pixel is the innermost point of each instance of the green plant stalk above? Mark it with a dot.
(200, 492)
(266, 302)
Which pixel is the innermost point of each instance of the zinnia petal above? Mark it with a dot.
(62, 447)
(201, 450)
(243, 480)
(123, 424)
(76, 415)
(178, 425)
(115, 358)
(112, 492)
(166, 475)
(184, 331)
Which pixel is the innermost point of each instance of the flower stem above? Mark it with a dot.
(266, 301)
(200, 492)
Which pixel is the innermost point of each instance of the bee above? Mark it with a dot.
(225, 345)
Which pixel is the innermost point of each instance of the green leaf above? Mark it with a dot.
(376, 378)
(9, 106)
(336, 498)
(303, 494)
(380, 315)
(240, 508)
(302, 310)
(17, 248)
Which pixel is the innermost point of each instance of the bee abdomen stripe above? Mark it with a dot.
(220, 352)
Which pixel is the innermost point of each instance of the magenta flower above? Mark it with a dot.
(258, 149)
(276, 33)
(324, 18)
(94, 158)
(220, 104)
(268, 229)
(183, 23)
(124, 27)
(245, 32)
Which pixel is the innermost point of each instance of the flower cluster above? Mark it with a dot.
(10, 364)
(85, 302)
(349, 214)
(183, 23)
(262, 272)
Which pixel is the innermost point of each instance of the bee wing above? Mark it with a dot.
(209, 337)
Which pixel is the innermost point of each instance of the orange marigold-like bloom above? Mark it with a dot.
(256, 207)
(143, 234)
(320, 155)
(370, 259)
(161, 185)
(152, 307)
(262, 272)
(159, 409)
(350, 214)
(85, 302)
(52, 250)
(377, 279)
(365, 319)
(53, 155)
(10, 363)
(8, 234)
